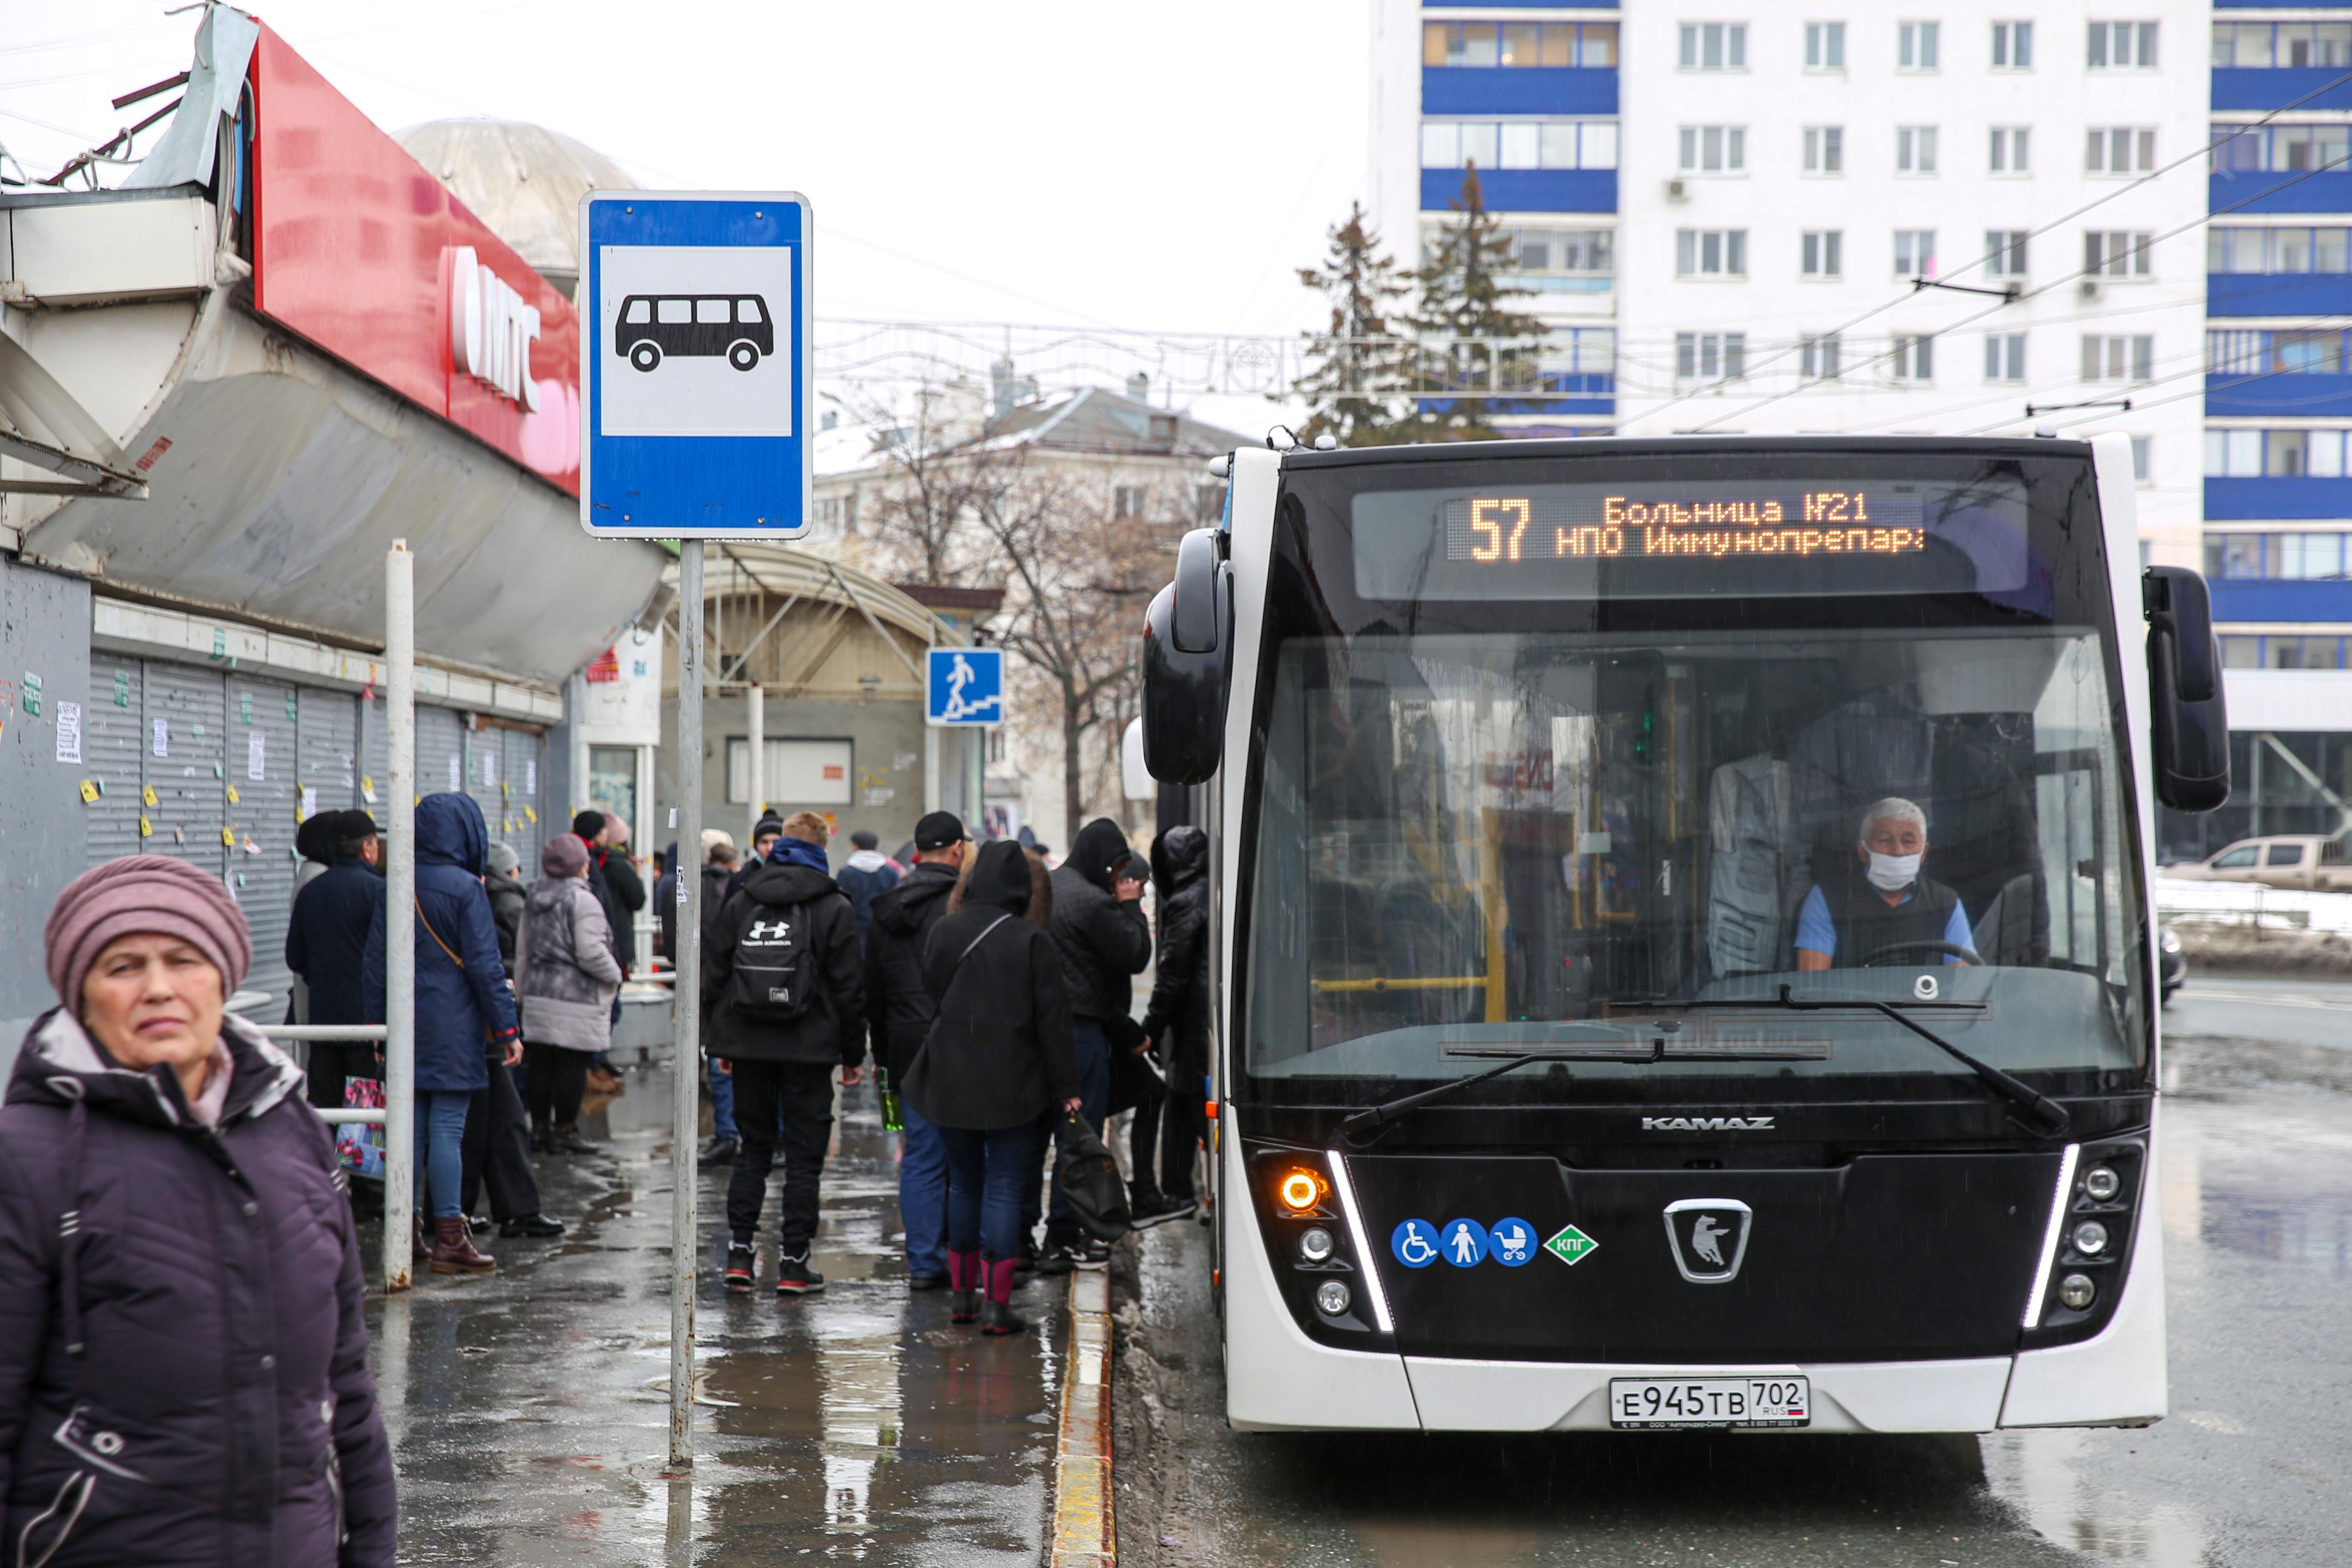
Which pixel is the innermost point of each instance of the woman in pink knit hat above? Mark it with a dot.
(184, 1374)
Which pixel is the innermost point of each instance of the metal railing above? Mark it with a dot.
(371, 1115)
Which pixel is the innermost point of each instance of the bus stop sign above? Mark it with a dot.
(696, 364)
(965, 686)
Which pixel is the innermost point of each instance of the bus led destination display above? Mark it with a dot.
(1667, 539)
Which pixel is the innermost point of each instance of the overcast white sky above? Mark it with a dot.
(1150, 166)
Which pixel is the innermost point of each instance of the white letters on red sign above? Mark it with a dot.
(491, 330)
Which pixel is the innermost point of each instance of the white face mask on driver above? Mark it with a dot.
(1893, 873)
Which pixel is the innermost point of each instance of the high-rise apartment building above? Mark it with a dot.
(1931, 218)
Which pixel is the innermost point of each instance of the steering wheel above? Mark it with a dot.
(1952, 949)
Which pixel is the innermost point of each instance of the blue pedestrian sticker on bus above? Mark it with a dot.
(1511, 1242)
(1414, 1243)
(1465, 1243)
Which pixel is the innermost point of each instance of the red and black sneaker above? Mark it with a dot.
(739, 1264)
(795, 1278)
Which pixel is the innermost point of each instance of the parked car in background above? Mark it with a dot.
(2304, 860)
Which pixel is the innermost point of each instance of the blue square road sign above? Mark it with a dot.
(965, 686)
(697, 364)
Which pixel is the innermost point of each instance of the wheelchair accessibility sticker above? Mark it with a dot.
(1414, 1243)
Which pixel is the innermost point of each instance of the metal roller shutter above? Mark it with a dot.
(523, 803)
(113, 741)
(262, 765)
(326, 749)
(376, 759)
(485, 766)
(191, 707)
(440, 751)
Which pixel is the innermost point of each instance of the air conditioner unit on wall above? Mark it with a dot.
(2089, 289)
(1677, 189)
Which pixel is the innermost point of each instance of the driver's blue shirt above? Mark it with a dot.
(1817, 933)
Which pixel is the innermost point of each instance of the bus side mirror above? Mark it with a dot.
(1187, 634)
(2188, 718)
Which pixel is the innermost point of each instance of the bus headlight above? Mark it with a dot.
(2100, 1185)
(2077, 1291)
(1331, 1297)
(2090, 1239)
(1300, 1190)
(1315, 1246)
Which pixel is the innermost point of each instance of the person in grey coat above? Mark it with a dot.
(565, 978)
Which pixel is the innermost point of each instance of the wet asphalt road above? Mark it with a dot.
(529, 1410)
(2253, 1470)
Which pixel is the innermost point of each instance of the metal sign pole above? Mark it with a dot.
(755, 710)
(686, 1050)
(400, 920)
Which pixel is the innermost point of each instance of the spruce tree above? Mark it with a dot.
(1358, 369)
(1472, 341)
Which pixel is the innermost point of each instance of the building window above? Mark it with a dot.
(1826, 46)
(2116, 253)
(2252, 352)
(1711, 253)
(1914, 253)
(1914, 148)
(2005, 252)
(2012, 45)
(2289, 45)
(1825, 149)
(828, 512)
(2140, 470)
(2122, 45)
(2005, 356)
(1913, 358)
(1916, 46)
(1519, 143)
(2278, 250)
(1710, 356)
(1714, 46)
(2279, 149)
(1818, 357)
(1823, 253)
(1128, 503)
(2119, 356)
(1713, 150)
(2305, 556)
(2119, 150)
(2233, 454)
(1586, 252)
(1592, 44)
(2012, 148)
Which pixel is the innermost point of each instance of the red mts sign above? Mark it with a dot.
(362, 251)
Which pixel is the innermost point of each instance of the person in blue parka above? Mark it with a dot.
(462, 1001)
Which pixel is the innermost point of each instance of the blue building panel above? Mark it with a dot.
(1545, 4)
(2260, 191)
(1526, 190)
(2263, 89)
(1517, 90)
(2283, 500)
(2278, 294)
(2281, 599)
(2290, 396)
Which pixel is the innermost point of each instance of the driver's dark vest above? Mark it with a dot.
(1864, 924)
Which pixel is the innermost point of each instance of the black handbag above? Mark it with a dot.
(1089, 1179)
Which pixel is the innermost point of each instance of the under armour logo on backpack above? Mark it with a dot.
(761, 931)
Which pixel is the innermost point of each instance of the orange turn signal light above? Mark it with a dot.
(1300, 1190)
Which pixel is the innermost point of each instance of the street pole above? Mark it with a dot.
(399, 919)
(755, 708)
(686, 1009)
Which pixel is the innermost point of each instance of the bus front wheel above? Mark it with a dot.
(644, 355)
(743, 354)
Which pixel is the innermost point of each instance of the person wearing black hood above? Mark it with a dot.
(1176, 1027)
(899, 1013)
(784, 1002)
(325, 934)
(1104, 941)
(997, 1059)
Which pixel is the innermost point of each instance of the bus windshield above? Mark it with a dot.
(1549, 801)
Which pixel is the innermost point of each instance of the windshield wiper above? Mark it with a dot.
(2052, 1114)
(1378, 1118)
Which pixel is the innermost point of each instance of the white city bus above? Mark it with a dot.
(1685, 956)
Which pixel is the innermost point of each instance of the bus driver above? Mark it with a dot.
(1890, 905)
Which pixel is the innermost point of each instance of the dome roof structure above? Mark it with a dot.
(524, 181)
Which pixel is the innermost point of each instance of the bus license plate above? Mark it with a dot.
(1663, 1402)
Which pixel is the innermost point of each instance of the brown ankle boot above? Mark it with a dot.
(453, 1251)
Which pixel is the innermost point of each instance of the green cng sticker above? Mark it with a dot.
(1571, 1246)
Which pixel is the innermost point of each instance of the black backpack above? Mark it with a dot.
(773, 971)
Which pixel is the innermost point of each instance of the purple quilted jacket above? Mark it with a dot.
(183, 1373)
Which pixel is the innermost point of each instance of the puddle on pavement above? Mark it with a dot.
(529, 1410)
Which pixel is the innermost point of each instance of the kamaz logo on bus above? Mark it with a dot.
(1707, 1123)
